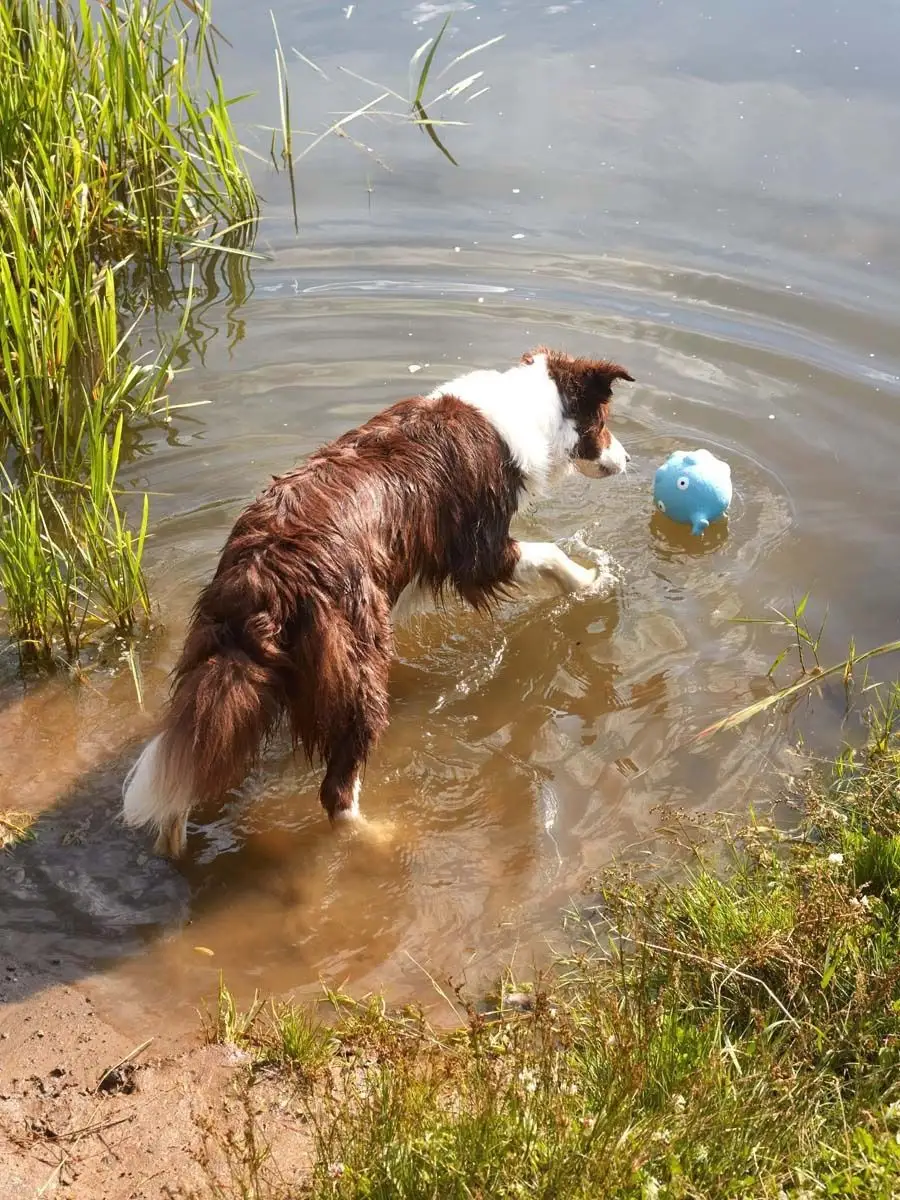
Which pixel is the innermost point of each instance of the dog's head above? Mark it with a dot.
(585, 390)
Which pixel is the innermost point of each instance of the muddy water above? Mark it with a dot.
(708, 197)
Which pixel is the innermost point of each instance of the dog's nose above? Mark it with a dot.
(627, 456)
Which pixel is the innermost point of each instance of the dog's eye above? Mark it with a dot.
(660, 506)
(682, 482)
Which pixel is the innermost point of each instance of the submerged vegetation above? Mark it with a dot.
(735, 1033)
(115, 161)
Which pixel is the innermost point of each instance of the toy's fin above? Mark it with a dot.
(700, 523)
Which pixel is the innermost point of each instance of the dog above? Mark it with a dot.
(297, 622)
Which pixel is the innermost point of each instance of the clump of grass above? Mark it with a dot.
(731, 1034)
(70, 564)
(15, 827)
(115, 163)
(282, 1036)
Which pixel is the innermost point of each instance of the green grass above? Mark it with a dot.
(732, 1033)
(116, 163)
(284, 1036)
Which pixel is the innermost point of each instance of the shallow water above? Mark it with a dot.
(710, 198)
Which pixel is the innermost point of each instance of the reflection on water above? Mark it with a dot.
(714, 210)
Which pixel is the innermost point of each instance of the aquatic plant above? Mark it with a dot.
(118, 159)
(413, 109)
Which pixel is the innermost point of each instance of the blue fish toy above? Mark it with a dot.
(693, 487)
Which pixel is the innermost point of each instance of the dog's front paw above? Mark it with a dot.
(584, 579)
(602, 576)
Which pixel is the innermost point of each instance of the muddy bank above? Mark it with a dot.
(153, 1127)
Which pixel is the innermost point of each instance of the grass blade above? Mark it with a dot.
(795, 689)
(467, 53)
(426, 67)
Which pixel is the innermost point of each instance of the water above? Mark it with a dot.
(710, 198)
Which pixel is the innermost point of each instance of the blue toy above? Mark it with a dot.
(693, 488)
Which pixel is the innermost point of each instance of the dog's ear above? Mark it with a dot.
(610, 372)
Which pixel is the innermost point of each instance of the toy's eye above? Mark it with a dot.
(660, 506)
(682, 482)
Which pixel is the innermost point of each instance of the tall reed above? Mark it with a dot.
(117, 158)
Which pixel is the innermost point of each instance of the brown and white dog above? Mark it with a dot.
(297, 621)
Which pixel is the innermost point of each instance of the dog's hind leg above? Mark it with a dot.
(343, 660)
(342, 784)
(357, 713)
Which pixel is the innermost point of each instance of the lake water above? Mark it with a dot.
(707, 194)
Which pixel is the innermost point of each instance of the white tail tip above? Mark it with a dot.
(150, 796)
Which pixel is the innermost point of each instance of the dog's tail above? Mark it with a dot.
(226, 699)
